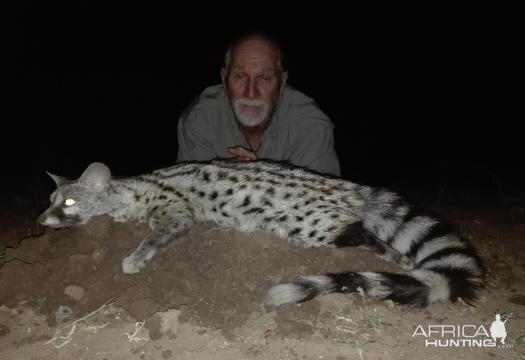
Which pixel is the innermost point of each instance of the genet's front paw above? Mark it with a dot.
(132, 265)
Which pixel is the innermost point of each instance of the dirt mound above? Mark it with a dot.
(216, 277)
(208, 290)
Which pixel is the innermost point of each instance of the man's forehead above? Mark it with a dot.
(259, 67)
(256, 51)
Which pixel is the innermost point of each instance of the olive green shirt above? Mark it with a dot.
(299, 132)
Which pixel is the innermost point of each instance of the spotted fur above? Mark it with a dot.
(305, 208)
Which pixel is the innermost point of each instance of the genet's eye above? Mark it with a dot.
(69, 202)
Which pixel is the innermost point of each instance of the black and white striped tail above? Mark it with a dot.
(445, 268)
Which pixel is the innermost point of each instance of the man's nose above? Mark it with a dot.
(250, 91)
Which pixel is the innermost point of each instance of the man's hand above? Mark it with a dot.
(242, 154)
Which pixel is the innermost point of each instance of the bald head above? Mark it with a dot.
(255, 44)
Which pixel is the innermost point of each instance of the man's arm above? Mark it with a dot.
(194, 137)
(310, 132)
(242, 154)
(313, 147)
(195, 144)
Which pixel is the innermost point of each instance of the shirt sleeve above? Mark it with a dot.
(310, 135)
(313, 146)
(194, 134)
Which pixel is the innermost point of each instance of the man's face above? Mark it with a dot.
(254, 81)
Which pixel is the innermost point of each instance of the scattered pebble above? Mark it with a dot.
(76, 292)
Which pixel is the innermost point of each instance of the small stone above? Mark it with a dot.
(63, 314)
(76, 292)
(4, 330)
(98, 255)
(163, 323)
(167, 354)
(390, 304)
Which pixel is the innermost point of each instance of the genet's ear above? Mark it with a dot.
(96, 176)
(59, 180)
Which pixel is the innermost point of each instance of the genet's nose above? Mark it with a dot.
(41, 219)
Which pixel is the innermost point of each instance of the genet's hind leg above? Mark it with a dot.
(165, 229)
(356, 235)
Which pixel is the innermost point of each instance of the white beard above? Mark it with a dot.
(251, 112)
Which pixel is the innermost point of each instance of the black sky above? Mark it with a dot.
(407, 88)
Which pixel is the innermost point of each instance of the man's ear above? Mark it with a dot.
(223, 76)
(284, 79)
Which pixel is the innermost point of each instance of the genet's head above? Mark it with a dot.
(74, 202)
(254, 76)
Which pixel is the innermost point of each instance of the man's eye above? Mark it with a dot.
(240, 76)
(69, 202)
(266, 78)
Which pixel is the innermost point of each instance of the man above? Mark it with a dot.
(254, 114)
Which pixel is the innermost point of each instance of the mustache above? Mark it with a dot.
(250, 102)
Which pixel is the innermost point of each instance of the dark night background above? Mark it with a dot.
(421, 97)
